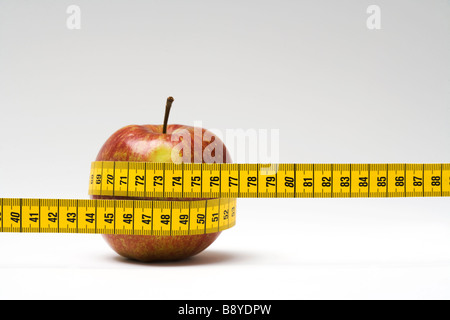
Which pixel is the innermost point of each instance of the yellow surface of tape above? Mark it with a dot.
(269, 180)
(221, 183)
(138, 217)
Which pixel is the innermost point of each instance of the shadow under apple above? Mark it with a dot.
(204, 258)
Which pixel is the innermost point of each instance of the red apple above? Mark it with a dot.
(155, 143)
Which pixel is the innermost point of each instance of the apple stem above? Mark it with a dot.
(166, 115)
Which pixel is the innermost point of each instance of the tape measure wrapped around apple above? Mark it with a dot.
(156, 143)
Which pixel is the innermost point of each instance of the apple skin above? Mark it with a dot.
(147, 143)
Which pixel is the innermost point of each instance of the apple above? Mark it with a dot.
(156, 143)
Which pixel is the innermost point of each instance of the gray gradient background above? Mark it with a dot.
(337, 92)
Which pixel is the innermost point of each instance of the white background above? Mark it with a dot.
(337, 91)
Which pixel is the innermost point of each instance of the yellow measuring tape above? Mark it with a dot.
(161, 218)
(220, 183)
(140, 179)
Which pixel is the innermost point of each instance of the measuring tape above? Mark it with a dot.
(132, 217)
(140, 179)
(220, 183)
